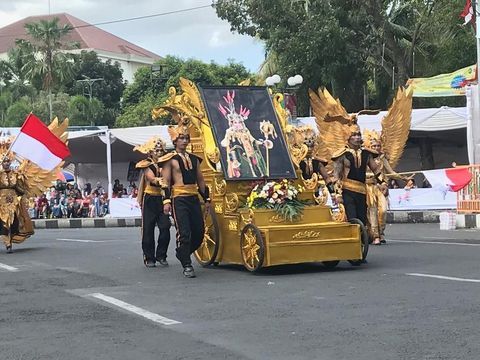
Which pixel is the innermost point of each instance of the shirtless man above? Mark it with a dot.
(184, 183)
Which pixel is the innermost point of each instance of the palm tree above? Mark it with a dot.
(45, 59)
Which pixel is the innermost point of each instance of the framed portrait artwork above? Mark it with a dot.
(247, 133)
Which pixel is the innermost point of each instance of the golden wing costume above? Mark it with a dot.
(17, 185)
(390, 144)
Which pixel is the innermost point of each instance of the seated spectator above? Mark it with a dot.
(99, 188)
(104, 204)
(134, 193)
(393, 184)
(76, 191)
(64, 205)
(42, 207)
(73, 208)
(32, 208)
(117, 187)
(95, 208)
(87, 189)
(69, 189)
(410, 184)
(56, 210)
(60, 186)
(132, 186)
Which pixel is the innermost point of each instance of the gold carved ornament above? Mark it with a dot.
(190, 105)
(231, 202)
(307, 234)
(250, 248)
(249, 219)
(219, 208)
(312, 183)
(322, 197)
(340, 215)
(207, 244)
(233, 225)
(220, 186)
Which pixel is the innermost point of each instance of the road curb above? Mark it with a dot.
(86, 223)
(393, 217)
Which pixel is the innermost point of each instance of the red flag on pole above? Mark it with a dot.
(467, 13)
(38, 144)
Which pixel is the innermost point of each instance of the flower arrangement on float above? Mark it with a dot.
(281, 196)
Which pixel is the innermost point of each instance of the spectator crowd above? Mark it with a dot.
(66, 200)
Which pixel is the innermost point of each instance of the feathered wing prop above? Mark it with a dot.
(331, 118)
(326, 107)
(396, 126)
(35, 178)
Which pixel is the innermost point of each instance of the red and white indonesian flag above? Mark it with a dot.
(37, 143)
(467, 13)
(454, 179)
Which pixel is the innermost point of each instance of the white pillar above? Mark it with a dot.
(108, 142)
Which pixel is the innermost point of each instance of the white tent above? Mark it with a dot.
(439, 119)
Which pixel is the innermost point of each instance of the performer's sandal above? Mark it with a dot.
(377, 242)
(9, 249)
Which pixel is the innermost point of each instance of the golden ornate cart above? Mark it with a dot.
(260, 238)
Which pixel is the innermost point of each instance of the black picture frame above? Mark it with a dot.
(247, 152)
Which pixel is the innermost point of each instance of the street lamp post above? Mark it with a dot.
(89, 82)
(290, 92)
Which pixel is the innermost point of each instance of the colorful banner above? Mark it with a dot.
(124, 207)
(452, 84)
(421, 199)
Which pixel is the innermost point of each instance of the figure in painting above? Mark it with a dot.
(244, 157)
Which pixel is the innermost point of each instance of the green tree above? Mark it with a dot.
(16, 113)
(139, 114)
(149, 89)
(82, 111)
(44, 58)
(341, 44)
(109, 90)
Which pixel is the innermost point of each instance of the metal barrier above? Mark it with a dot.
(468, 199)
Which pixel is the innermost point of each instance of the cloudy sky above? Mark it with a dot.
(194, 34)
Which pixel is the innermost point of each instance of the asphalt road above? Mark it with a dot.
(85, 294)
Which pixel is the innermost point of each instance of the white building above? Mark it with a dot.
(89, 38)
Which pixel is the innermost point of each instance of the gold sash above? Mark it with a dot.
(184, 190)
(354, 185)
(153, 190)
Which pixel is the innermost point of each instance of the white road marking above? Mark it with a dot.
(87, 241)
(135, 309)
(8, 267)
(433, 242)
(444, 277)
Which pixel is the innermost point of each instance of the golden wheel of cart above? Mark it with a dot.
(252, 247)
(207, 252)
(240, 133)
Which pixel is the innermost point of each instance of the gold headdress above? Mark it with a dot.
(5, 143)
(176, 130)
(371, 137)
(154, 143)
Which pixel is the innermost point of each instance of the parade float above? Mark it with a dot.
(264, 213)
